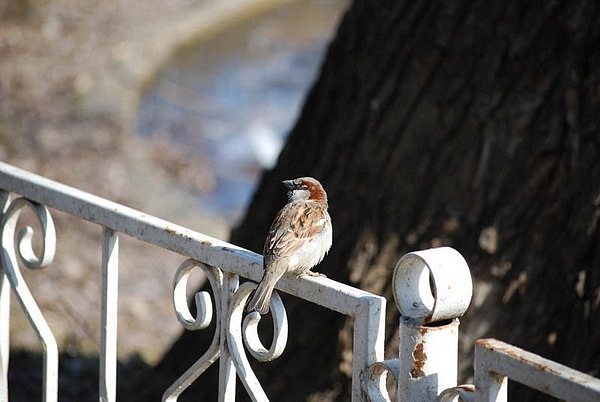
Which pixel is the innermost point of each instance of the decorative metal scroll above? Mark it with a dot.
(233, 331)
(18, 248)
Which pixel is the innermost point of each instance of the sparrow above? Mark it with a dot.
(299, 238)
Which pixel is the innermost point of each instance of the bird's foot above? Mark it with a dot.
(311, 273)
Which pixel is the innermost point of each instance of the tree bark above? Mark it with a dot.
(473, 124)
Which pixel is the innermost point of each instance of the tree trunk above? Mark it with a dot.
(466, 123)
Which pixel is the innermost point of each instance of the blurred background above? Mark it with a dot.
(173, 108)
(230, 103)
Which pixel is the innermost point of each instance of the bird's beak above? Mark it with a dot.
(289, 184)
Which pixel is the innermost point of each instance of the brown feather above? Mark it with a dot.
(284, 240)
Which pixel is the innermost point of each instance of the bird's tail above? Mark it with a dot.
(261, 298)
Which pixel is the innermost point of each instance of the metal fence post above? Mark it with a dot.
(108, 337)
(431, 288)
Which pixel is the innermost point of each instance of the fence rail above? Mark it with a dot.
(432, 288)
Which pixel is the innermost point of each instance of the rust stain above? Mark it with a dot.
(419, 359)
(538, 365)
(185, 236)
(169, 230)
(175, 232)
(488, 343)
(513, 352)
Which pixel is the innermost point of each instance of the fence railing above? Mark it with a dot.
(432, 288)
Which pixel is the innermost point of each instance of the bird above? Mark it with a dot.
(299, 238)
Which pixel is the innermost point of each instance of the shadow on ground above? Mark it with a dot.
(78, 377)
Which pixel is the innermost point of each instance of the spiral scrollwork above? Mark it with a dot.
(233, 329)
(376, 379)
(246, 332)
(204, 307)
(24, 238)
(251, 321)
(462, 393)
(203, 318)
(24, 253)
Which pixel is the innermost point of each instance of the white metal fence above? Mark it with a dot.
(432, 288)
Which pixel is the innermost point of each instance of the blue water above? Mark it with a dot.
(233, 100)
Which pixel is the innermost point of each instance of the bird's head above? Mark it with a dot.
(305, 188)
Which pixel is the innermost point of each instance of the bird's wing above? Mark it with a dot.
(293, 226)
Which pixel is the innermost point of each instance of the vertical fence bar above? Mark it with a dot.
(369, 338)
(489, 386)
(110, 292)
(432, 288)
(4, 335)
(4, 318)
(428, 359)
(227, 373)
